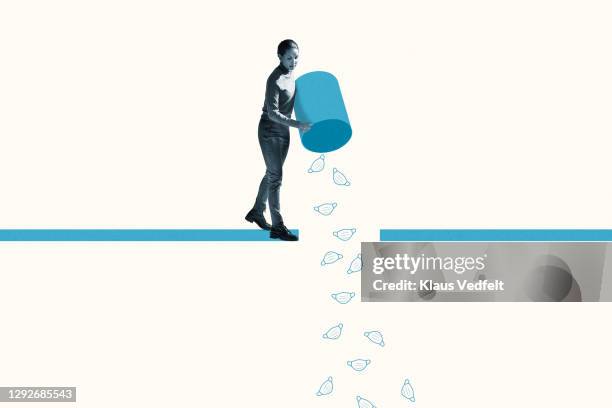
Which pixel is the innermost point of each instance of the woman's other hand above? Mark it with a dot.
(305, 126)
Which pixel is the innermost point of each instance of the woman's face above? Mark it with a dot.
(290, 58)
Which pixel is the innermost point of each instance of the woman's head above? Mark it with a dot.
(288, 54)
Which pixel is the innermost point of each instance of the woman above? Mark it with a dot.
(273, 133)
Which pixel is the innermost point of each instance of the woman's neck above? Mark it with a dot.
(283, 69)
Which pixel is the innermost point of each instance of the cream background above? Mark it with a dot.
(134, 114)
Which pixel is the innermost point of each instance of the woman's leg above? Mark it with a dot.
(262, 193)
(274, 149)
(262, 196)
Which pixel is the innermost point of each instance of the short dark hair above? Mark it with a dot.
(285, 45)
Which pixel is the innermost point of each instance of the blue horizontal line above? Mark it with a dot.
(499, 235)
(136, 235)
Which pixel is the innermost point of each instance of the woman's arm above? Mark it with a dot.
(274, 114)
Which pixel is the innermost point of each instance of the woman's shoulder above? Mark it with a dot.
(274, 77)
(276, 72)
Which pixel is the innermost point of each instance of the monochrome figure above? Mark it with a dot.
(273, 134)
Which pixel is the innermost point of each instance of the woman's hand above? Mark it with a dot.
(304, 126)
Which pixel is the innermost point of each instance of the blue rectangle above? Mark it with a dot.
(497, 235)
(136, 235)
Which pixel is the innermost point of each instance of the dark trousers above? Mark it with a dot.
(274, 143)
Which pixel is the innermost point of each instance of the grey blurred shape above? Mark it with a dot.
(551, 280)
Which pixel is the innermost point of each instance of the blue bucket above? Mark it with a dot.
(318, 100)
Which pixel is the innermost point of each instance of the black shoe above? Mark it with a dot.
(258, 219)
(281, 232)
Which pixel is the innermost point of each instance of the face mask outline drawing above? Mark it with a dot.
(355, 265)
(326, 208)
(317, 165)
(343, 297)
(375, 337)
(364, 403)
(407, 391)
(358, 364)
(345, 234)
(326, 388)
(339, 178)
(333, 333)
(330, 257)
